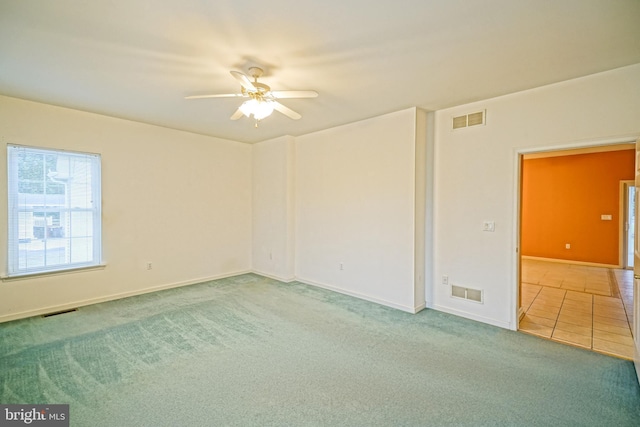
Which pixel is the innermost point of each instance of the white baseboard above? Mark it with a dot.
(568, 261)
(408, 309)
(112, 297)
(275, 277)
(420, 307)
(482, 319)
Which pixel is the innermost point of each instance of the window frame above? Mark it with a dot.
(14, 208)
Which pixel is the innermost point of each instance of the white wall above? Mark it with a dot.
(476, 176)
(273, 208)
(179, 200)
(355, 206)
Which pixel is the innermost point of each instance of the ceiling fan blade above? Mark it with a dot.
(286, 111)
(244, 81)
(220, 95)
(294, 93)
(237, 114)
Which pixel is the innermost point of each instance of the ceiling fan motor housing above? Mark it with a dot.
(256, 72)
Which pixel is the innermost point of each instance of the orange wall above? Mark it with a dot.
(563, 199)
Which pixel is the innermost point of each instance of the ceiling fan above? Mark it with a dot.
(262, 100)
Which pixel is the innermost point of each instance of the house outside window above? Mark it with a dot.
(54, 210)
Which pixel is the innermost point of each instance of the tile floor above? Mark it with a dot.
(584, 306)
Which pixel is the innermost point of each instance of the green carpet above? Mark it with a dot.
(253, 351)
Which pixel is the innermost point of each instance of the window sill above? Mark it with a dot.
(33, 275)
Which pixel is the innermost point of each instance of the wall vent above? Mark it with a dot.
(472, 119)
(57, 313)
(460, 122)
(470, 294)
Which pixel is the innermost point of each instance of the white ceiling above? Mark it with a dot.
(137, 59)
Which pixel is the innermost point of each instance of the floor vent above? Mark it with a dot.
(472, 119)
(474, 295)
(56, 313)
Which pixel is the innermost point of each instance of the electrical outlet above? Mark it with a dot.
(445, 280)
(149, 266)
(567, 246)
(489, 226)
(341, 266)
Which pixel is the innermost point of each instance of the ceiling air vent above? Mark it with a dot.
(474, 295)
(472, 119)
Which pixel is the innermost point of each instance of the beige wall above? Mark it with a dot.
(179, 200)
(476, 178)
(346, 195)
(200, 207)
(273, 208)
(356, 202)
(352, 195)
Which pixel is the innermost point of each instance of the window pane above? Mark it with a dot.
(31, 187)
(55, 252)
(26, 225)
(54, 209)
(31, 166)
(31, 254)
(81, 224)
(40, 253)
(81, 249)
(80, 195)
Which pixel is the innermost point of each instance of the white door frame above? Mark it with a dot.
(636, 273)
(623, 226)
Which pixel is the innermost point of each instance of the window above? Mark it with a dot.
(54, 210)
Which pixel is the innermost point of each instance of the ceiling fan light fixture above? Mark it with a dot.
(258, 108)
(263, 109)
(247, 107)
(262, 100)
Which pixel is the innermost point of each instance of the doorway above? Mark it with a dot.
(560, 297)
